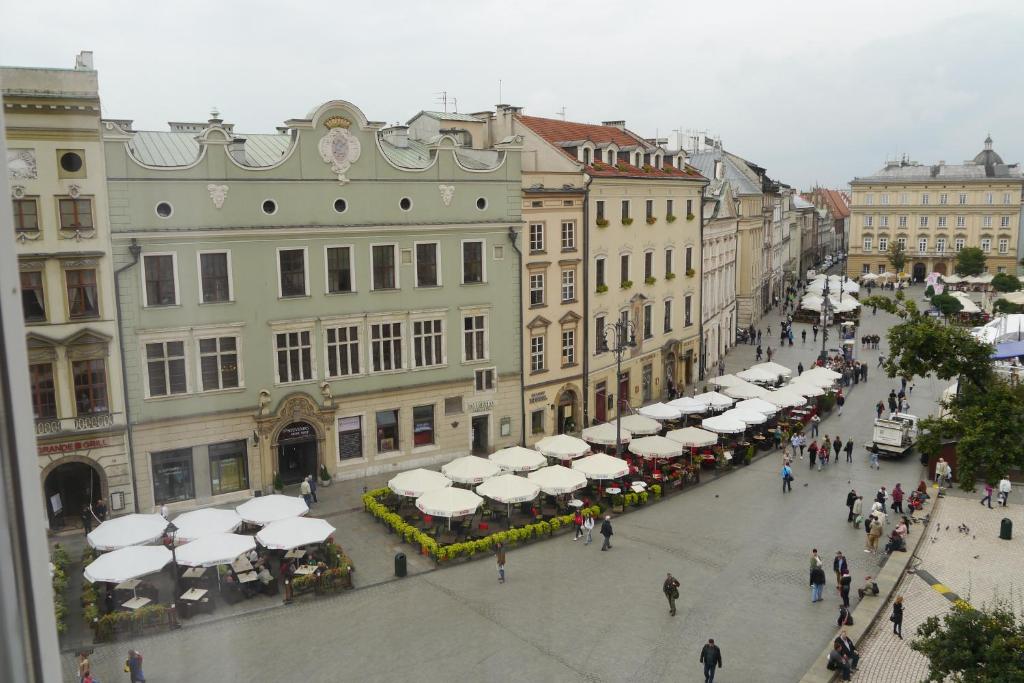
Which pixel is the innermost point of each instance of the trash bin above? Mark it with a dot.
(399, 564)
(1006, 529)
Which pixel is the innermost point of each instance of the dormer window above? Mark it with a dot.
(657, 161)
(611, 157)
(586, 156)
(638, 160)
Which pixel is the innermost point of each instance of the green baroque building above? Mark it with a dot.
(337, 294)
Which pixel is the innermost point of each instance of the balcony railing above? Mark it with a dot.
(80, 423)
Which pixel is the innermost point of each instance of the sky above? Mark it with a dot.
(816, 91)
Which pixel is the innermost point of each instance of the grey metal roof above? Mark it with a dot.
(164, 148)
(736, 173)
(264, 149)
(450, 116)
(417, 155)
(950, 172)
(801, 203)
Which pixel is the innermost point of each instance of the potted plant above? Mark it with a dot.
(602, 222)
(651, 220)
(621, 168)
(627, 221)
(690, 272)
(648, 168)
(670, 276)
(325, 477)
(626, 284)
(670, 218)
(690, 216)
(278, 483)
(650, 280)
(601, 289)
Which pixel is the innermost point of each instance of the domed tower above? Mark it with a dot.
(988, 158)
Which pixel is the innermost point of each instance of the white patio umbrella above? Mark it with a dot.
(723, 424)
(775, 368)
(518, 459)
(745, 390)
(868, 276)
(656, 447)
(213, 549)
(638, 425)
(756, 374)
(509, 489)
(725, 381)
(660, 411)
(204, 522)
(715, 400)
(693, 437)
(758, 405)
(785, 398)
(688, 406)
(121, 532)
(805, 388)
(847, 305)
(563, 447)
(292, 533)
(748, 416)
(448, 503)
(604, 434)
(128, 563)
(414, 483)
(821, 372)
(267, 509)
(470, 469)
(556, 480)
(602, 466)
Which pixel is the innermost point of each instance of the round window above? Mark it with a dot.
(405, 204)
(340, 205)
(164, 210)
(481, 203)
(269, 207)
(71, 162)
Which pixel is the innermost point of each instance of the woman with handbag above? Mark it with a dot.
(897, 617)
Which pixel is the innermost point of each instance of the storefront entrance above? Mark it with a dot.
(601, 403)
(919, 272)
(297, 452)
(567, 412)
(481, 439)
(69, 488)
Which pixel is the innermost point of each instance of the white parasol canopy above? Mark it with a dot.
(449, 502)
(847, 305)
(723, 424)
(715, 400)
(726, 381)
(121, 532)
(267, 509)
(414, 483)
(603, 466)
(604, 434)
(785, 398)
(518, 459)
(745, 390)
(128, 563)
(805, 388)
(748, 416)
(204, 522)
(563, 447)
(470, 469)
(556, 480)
(213, 549)
(818, 371)
(638, 425)
(774, 368)
(756, 374)
(758, 405)
(509, 489)
(693, 437)
(868, 276)
(660, 411)
(657, 447)
(688, 406)
(292, 533)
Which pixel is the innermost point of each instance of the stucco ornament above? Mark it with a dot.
(21, 164)
(17, 191)
(218, 193)
(74, 190)
(447, 192)
(339, 147)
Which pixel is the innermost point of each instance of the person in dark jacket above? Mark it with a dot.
(606, 531)
(897, 499)
(897, 616)
(710, 657)
(851, 498)
(837, 661)
(100, 510)
(849, 449)
(844, 587)
(87, 518)
(671, 590)
(134, 667)
(849, 649)
(840, 565)
(817, 583)
(844, 616)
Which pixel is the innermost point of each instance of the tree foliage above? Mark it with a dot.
(929, 291)
(946, 304)
(972, 645)
(970, 261)
(1003, 306)
(924, 346)
(1005, 282)
(897, 255)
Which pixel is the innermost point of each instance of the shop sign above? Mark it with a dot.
(538, 397)
(70, 446)
(480, 406)
(297, 430)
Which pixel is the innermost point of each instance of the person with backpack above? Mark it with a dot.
(671, 590)
(710, 657)
(787, 478)
(133, 667)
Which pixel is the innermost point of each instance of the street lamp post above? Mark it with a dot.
(625, 339)
(173, 531)
(826, 305)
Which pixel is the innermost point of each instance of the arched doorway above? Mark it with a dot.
(940, 267)
(670, 375)
(566, 412)
(297, 452)
(69, 488)
(919, 272)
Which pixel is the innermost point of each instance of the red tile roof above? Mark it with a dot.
(835, 201)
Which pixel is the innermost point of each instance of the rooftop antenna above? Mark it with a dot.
(679, 137)
(500, 101)
(561, 112)
(442, 97)
(455, 104)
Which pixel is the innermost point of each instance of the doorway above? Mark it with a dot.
(69, 488)
(566, 412)
(919, 272)
(481, 439)
(601, 402)
(296, 452)
(623, 397)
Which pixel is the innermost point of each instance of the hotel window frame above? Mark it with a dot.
(535, 232)
(20, 216)
(940, 245)
(568, 234)
(961, 221)
(281, 272)
(304, 349)
(430, 342)
(568, 285)
(467, 271)
(537, 288)
(329, 278)
(475, 338)
(171, 365)
(217, 355)
(71, 207)
(346, 351)
(230, 293)
(867, 245)
(385, 345)
(1004, 245)
(537, 361)
(160, 283)
(438, 282)
(88, 313)
(958, 244)
(383, 270)
(568, 348)
(986, 245)
(92, 388)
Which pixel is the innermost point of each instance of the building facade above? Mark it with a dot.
(58, 182)
(718, 283)
(934, 211)
(806, 234)
(338, 295)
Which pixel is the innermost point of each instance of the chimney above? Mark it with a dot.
(621, 125)
(719, 169)
(397, 136)
(83, 61)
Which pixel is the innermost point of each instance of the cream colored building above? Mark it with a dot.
(718, 284)
(935, 211)
(58, 184)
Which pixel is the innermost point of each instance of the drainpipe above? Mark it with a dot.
(512, 236)
(700, 326)
(585, 399)
(136, 251)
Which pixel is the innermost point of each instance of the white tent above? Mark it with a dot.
(758, 405)
(414, 483)
(726, 380)
(128, 563)
(563, 447)
(604, 434)
(722, 424)
(805, 388)
(655, 447)
(693, 437)
(213, 549)
(121, 532)
(745, 390)
(688, 406)
(556, 480)
(775, 369)
(1008, 327)
(715, 400)
(602, 466)
(966, 302)
(448, 502)
(785, 398)
(756, 374)
(518, 459)
(204, 522)
(267, 509)
(748, 416)
(292, 533)
(470, 469)
(660, 411)
(509, 489)
(638, 425)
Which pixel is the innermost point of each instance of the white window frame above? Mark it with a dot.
(925, 199)
(989, 198)
(670, 260)
(529, 234)
(1004, 221)
(903, 198)
(986, 221)
(536, 353)
(940, 245)
(305, 271)
(986, 244)
(398, 266)
(402, 345)
(922, 245)
(199, 355)
(1006, 198)
(142, 274)
(422, 318)
(1004, 245)
(471, 313)
(286, 329)
(542, 289)
(415, 263)
(571, 348)
(336, 323)
(883, 244)
(942, 221)
(351, 265)
(922, 221)
(901, 222)
(199, 275)
(943, 198)
(572, 234)
(604, 261)
(869, 221)
(668, 307)
(567, 287)
(175, 336)
(958, 244)
(483, 261)
(867, 245)
(869, 198)
(885, 199)
(961, 221)
(962, 199)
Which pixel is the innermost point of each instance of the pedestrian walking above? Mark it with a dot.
(801, 444)
(87, 519)
(881, 359)
(880, 497)
(840, 566)
(879, 409)
(759, 337)
(606, 531)
(892, 402)
(863, 372)
(588, 527)
(799, 369)
(787, 478)
(873, 535)
(306, 492)
(815, 423)
(499, 556)
(874, 457)
(777, 436)
(897, 499)
(904, 406)
(133, 667)
(803, 336)
(312, 487)
(815, 330)
(84, 668)
(577, 524)
(897, 616)
(840, 401)
(1004, 490)
(849, 449)
(988, 495)
(710, 657)
(812, 451)
(837, 446)
(851, 498)
(671, 590)
(844, 587)
(769, 354)
(817, 583)
(758, 352)
(858, 506)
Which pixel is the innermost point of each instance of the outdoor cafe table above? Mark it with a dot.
(193, 594)
(129, 585)
(247, 577)
(194, 573)
(135, 603)
(305, 569)
(242, 564)
(294, 553)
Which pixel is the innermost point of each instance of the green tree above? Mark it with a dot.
(1003, 306)
(972, 645)
(929, 291)
(897, 255)
(946, 304)
(1004, 282)
(970, 261)
(924, 346)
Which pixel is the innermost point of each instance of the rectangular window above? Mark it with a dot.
(943, 198)
(902, 221)
(536, 289)
(218, 363)
(903, 197)
(387, 431)
(383, 266)
(883, 244)
(961, 221)
(568, 286)
(922, 245)
(867, 245)
(83, 301)
(884, 222)
(537, 422)
(75, 214)
(624, 268)
(869, 199)
(1006, 198)
(536, 353)
(33, 300)
(885, 199)
(339, 270)
(902, 241)
(687, 310)
(1004, 245)
(292, 268)
(427, 274)
(165, 368)
(26, 215)
(568, 348)
(214, 276)
(428, 343)
(568, 236)
(1004, 221)
(599, 334)
(350, 437)
(689, 259)
(600, 209)
(599, 272)
(453, 405)
(229, 471)
(986, 245)
(648, 264)
(625, 209)
(90, 386)
(343, 351)
(868, 221)
(294, 356)
(924, 198)
(958, 244)
(669, 265)
(44, 391)
(962, 198)
(689, 208)
(942, 221)
(986, 221)
(988, 197)
(172, 476)
(668, 316)
(881, 268)
(648, 321)
(161, 280)
(483, 380)
(385, 347)
(923, 221)
(865, 268)
(669, 204)
(423, 426)
(940, 245)
(649, 208)
(537, 237)
(474, 338)
(472, 262)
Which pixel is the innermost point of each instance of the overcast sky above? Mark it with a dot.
(814, 90)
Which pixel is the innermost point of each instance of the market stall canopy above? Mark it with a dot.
(121, 532)
(726, 380)
(715, 400)
(660, 411)
(723, 424)
(204, 522)
(847, 305)
(563, 447)
(693, 437)
(604, 434)
(414, 483)
(509, 489)
(688, 406)
(785, 398)
(603, 466)
(982, 279)
(470, 469)
(128, 563)
(213, 549)
(967, 304)
(756, 374)
(745, 390)
(805, 388)
(518, 459)
(750, 417)
(267, 509)
(638, 425)
(297, 531)
(655, 447)
(774, 368)
(451, 502)
(1010, 349)
(758, 405)
(556, 480)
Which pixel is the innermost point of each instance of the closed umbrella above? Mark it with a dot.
(748, 416)
(213, 549)
(745, 390)
(470, 469)
(660, 411)
(267, 509)
(656, 447)
(758, 405)
(121, 532)
(693, 437)
(563, 447)
(688, 406)
(518, 459)
(604, 434)
(414, 483)
(197, 523)
(785, 398)
(638, 425)
(723, 424)
(557, 480)
(715, 400)
(602, 466)
(292, 533)
(128, 563)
